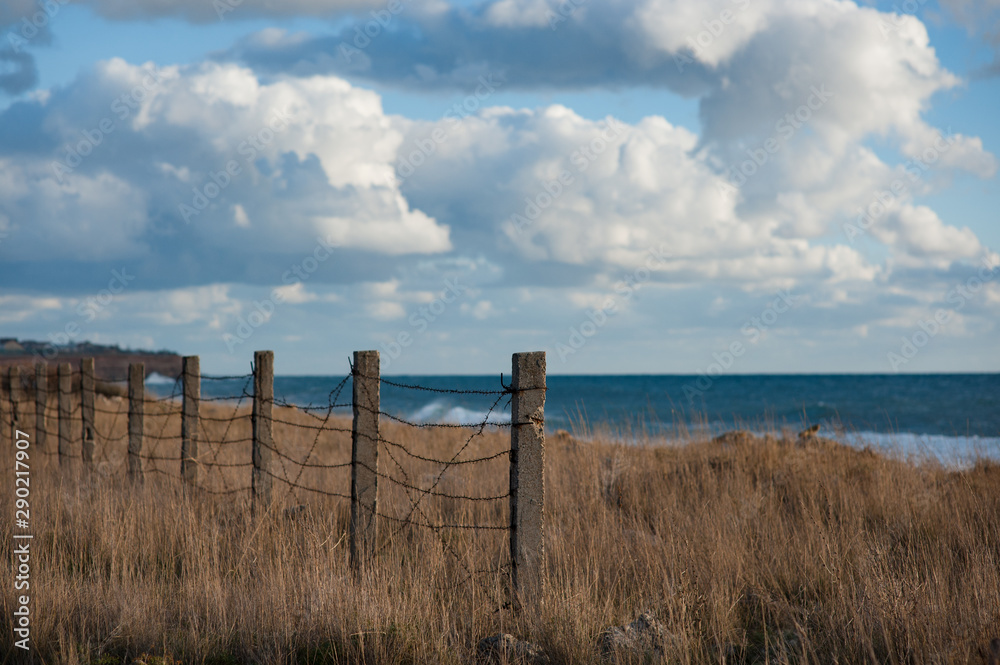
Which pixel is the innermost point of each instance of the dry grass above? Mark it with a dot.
(763, 550)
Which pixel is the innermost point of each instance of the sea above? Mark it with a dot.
(954, 418)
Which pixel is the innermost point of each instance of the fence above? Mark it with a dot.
(250, 444)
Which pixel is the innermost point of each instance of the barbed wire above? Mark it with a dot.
(409, 423)
(225, 419)
(221, 398)
(311, 427)
(295, 485)
(449, 391)
(433, 460)
(229, 425)
(458, 454)
(220, 377)
(319, 422)
(331, 399)
(407, 485)
(306, 463)
(226, 442)
(437, 531)
(411, 522)
(223, 464)
(107, 437)
(438, 528)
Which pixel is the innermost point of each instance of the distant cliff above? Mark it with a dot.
(110, 362)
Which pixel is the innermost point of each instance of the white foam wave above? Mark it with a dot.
(438, 411)
(156, 379)
(949, 450)
(461, 416)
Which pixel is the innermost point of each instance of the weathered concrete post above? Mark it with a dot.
(191, 373)
(41, 402)
(87, 410)
(527, 474)
(364, 456)
(16, 400)
(65, 412)
(263, 438)
(136, 411)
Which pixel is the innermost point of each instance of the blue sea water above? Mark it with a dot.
(951, 416)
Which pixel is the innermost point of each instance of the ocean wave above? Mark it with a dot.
(949, 450)
(441, 412)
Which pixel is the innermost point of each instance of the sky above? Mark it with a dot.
(632, 186)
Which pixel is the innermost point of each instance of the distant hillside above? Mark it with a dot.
(110, 362)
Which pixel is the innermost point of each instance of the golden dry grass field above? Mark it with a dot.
(746, 549)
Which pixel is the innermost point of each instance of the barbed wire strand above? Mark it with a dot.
(229, 425)
(438, 528)
(331, 399)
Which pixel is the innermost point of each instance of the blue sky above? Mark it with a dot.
(634, 186)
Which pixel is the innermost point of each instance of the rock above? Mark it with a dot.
(506, 648)
(644, 639)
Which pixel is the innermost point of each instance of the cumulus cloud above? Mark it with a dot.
(605, 196)
(750, 64)
(236, 178)
(241, 174)
(135, 162)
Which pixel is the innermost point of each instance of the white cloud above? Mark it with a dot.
(301, 157)
(316, 156)
(295, 294)
(208, 304)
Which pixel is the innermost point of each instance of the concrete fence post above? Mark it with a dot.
(263, 437)
(87, 410)
(136, 411)
(191, 374)
(364, 456)
(41, 402)
(16, 399)
(527, 474)
(65, 412)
